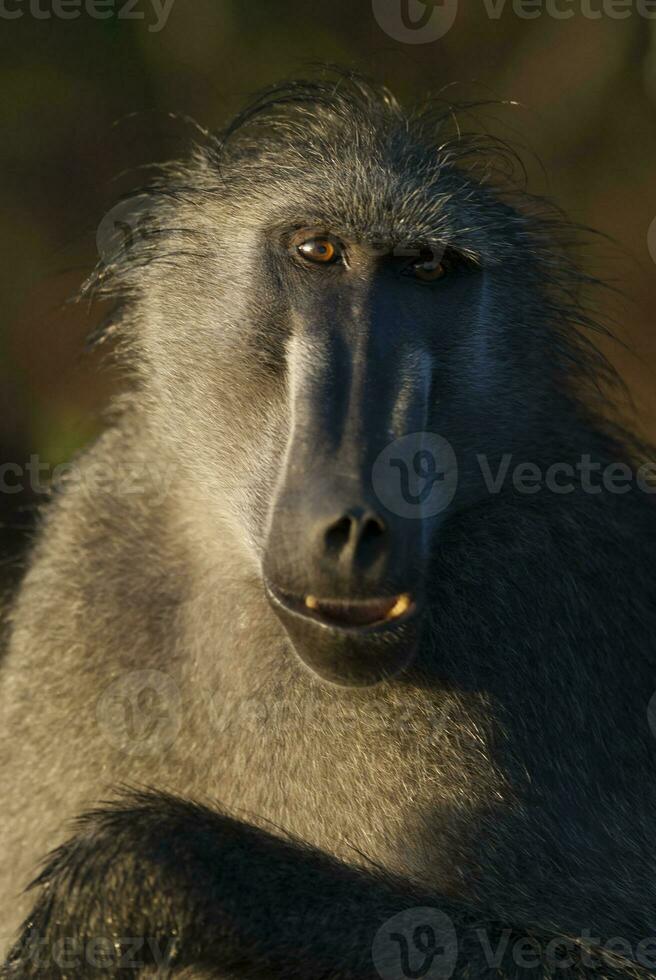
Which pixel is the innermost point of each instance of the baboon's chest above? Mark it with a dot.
(394, 779)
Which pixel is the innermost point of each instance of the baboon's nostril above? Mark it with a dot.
(338, 535)
(374, 527)
(361, 534)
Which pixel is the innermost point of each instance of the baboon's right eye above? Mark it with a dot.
(320, 250)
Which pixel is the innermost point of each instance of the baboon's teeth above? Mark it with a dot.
(358, 612)
(400, 607)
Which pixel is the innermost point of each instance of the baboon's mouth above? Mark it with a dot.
(350, 614)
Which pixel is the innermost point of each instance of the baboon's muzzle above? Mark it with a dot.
(344, 568)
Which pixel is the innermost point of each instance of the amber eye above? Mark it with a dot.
(319, 250)
(429, 268)
(429, 272)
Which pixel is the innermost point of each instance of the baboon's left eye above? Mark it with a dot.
(436, 263)
(323, 251)
(429, 267)
(430, 271)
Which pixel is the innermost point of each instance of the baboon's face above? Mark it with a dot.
(327, 377)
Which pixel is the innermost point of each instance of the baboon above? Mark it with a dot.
(297, 683)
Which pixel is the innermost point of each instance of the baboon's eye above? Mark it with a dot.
(429, 267)
(436, 263)
(321, 251)
(430, 271)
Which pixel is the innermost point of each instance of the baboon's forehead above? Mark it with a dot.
(375, 203)
(349, 154)
(376, 185)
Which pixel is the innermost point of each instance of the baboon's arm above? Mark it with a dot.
(163, 882)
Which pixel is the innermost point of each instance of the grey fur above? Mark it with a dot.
(475, 789)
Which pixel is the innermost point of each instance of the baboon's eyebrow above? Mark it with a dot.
(387, 240)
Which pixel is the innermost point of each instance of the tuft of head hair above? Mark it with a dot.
(394, 171)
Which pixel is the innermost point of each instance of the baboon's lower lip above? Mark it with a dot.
(350, 614)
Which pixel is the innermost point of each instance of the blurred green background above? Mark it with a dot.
(84, 100)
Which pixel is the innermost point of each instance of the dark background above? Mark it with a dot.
(84, 100)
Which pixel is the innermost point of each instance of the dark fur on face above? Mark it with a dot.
(487, 753)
